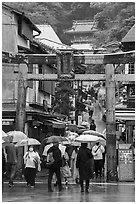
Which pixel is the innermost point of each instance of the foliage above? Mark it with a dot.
(114, 18)
(62, 103)
(114, 21)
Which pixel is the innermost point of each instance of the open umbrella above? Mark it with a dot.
(87, 138)
(72, 136)
(54, 139)
(94, 133)
(17, 136)
(61, 147)
(28, 141)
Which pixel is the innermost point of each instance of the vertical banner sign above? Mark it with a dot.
(126, 168)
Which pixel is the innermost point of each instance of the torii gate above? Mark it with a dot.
(110, 77)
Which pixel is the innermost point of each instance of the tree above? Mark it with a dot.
(62, 103)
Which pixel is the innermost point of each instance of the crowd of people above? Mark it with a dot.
(77, 163)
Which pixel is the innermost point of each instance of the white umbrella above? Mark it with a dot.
(61, 147)
(28, 141)
(87, 138)
(94, 133)
(100, 136)
(17, 136)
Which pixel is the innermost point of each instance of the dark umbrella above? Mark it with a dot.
(54, 139)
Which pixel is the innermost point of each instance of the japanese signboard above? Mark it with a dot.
(126, 168)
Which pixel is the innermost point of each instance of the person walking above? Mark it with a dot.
(65, 169)
(32, 164)
(12, 153)
(84, 166)
(69, 150)
(97, 151)
(3, 164)
(92, 125)
(75, 173)
(54, 163)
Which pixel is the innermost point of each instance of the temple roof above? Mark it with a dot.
(82, 26)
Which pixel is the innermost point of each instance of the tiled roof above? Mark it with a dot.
(50, 38)
(130, 36)
(82, 26)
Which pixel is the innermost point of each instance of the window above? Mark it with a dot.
(30, 68)
(40, 69)
(20, 26)
(131, 68)
(132, 91)
(41, 83)
(30, 71)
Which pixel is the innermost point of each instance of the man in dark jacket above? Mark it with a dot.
(11, 152)
(84, 165)
(54, 165)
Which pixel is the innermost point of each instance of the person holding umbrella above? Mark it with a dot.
(83, 164)
(32, 163)
(54, 160)
(97, 151)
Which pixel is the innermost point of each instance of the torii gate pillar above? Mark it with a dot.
(110, 125)
(21, 112)
(21, 101)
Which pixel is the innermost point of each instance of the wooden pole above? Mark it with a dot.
(110, 124)
(21, 100)
(21, 113)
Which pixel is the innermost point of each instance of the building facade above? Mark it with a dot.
(18, 38)
(82, 35)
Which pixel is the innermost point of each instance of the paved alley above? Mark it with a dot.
(98, 192)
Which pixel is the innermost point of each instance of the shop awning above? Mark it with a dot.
(125, 114)
(55, 123)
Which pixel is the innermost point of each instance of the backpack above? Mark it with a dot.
(50, 159)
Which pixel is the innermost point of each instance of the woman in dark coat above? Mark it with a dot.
(84, 165)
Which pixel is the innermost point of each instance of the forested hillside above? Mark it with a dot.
(114, 18)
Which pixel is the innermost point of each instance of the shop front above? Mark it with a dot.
(125, 126)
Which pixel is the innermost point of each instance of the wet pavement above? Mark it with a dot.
(98, 192)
